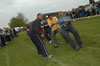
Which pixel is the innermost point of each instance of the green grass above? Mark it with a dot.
(22, 52)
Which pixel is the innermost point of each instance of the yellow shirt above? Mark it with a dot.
(53, 21)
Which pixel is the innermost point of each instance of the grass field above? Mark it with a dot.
(22, 52)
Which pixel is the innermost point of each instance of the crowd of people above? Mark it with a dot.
(48, 28)
(84, 11)
(6, 35)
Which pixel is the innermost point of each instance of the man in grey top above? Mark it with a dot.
(66, 25)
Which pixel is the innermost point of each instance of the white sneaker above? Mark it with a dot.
(48, 57)
(40, 55)
(50, 41)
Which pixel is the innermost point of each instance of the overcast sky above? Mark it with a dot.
(10, 8)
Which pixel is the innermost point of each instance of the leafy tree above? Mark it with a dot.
(16, 22)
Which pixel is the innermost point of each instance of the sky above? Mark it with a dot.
(10, 8)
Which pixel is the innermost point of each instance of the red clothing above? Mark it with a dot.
(42, 36)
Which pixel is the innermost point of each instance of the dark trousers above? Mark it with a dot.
(8, 37)
(47, 33)
(54, 36)
(69, 28)
(2, 42)
(36, 39)
(65, 36)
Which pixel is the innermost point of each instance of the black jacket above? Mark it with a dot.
(35, 27)
(1, 34)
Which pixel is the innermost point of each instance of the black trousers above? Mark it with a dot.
(69, 28)
(36, 39)
(47, 33)
(8, 37)
(2, 42)
(65, 35)
(54, 36)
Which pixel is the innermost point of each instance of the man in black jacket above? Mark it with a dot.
(35, 36)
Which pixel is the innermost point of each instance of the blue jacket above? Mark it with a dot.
(60, 20)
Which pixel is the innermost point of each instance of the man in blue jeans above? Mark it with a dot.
(66, 25)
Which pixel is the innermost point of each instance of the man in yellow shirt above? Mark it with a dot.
(53, 23)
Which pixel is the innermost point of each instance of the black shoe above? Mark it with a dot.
(82, 46)
(56, 46)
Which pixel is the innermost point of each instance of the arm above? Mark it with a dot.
(46, 25)
(66, 20)
(49, 22)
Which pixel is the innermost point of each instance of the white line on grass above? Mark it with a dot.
(59, 62)
(55, 60)
(97, 35)
(7, 57)
(93, 48)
